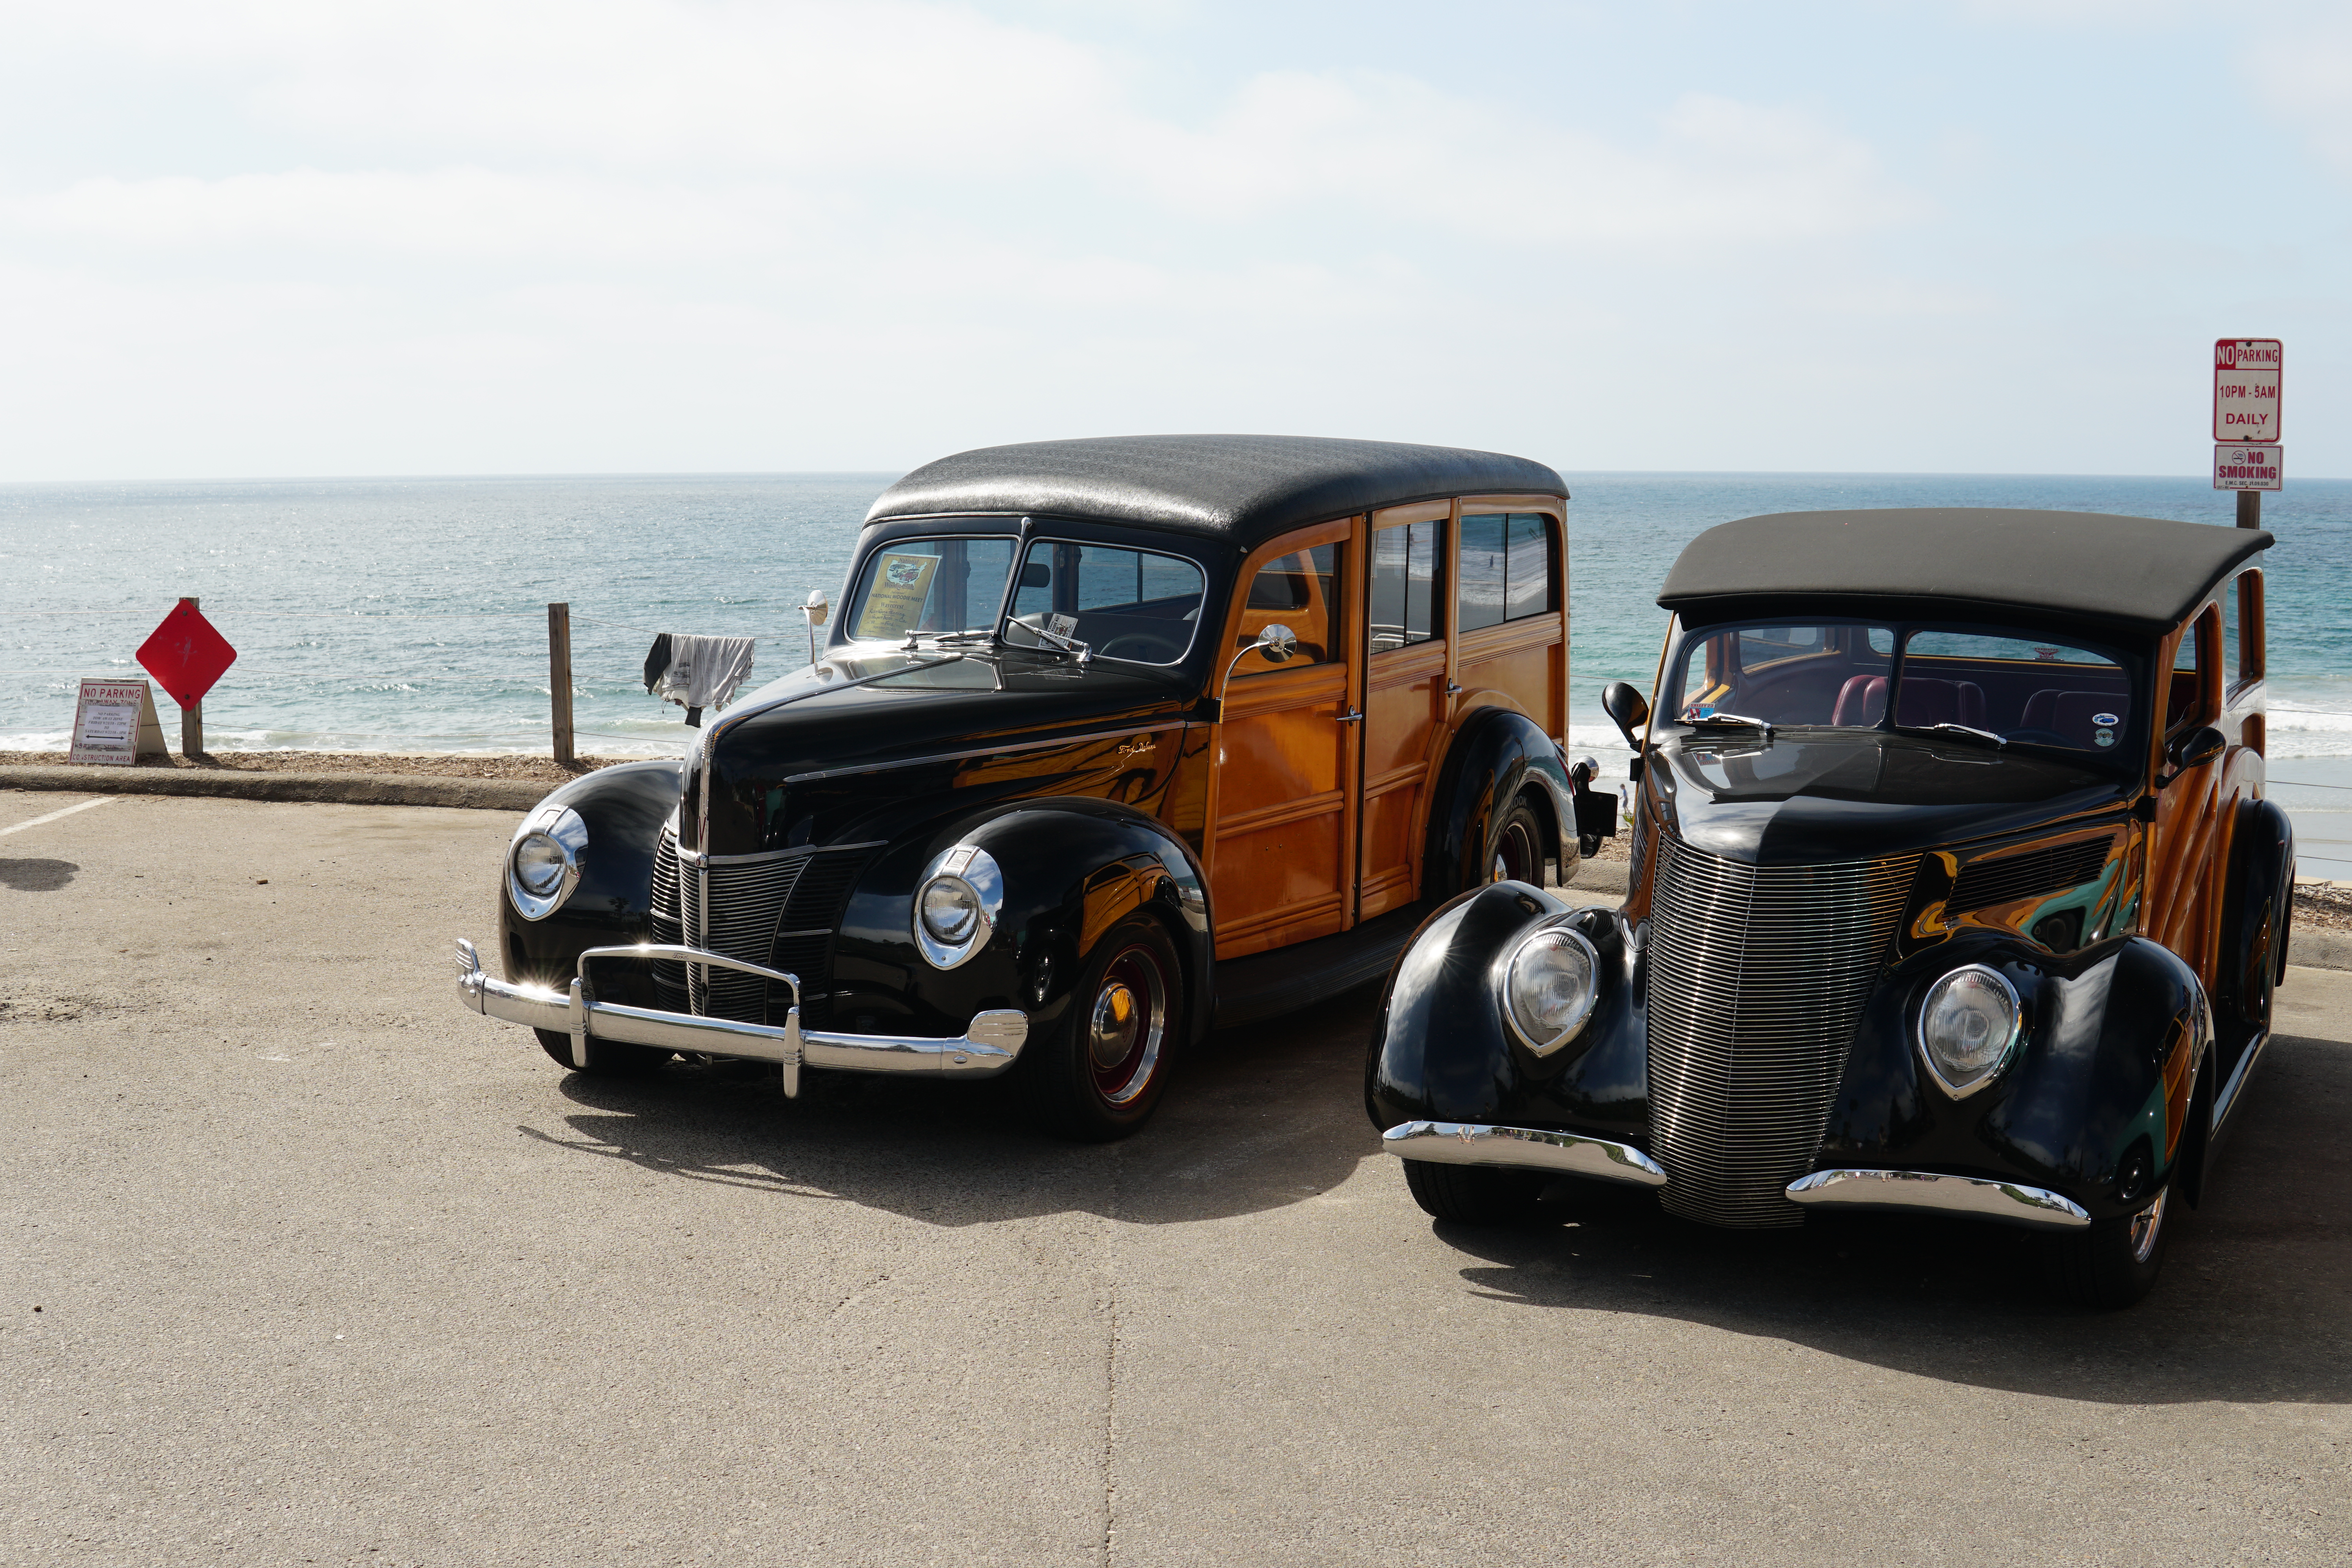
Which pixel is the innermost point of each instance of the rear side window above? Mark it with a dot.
(1506, 568)
(1404, 586)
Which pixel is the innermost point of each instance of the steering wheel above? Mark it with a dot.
(1142, 648)
(2041, 738)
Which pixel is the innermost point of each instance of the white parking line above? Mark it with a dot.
(37, 821)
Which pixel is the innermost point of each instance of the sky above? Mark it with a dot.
(452, 236)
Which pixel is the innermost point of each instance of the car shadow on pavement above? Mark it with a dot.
(1259, 1118)
(36, 875)
(2254, 1304)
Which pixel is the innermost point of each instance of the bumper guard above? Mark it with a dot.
(989, 1046)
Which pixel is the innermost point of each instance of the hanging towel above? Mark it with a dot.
(656, 662)
(703, 672)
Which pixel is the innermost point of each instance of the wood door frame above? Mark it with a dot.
(2187, 844)
(1289, 687)
(1445, 513)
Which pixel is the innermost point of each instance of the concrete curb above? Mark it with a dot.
(2319, 949)
(348, 789)
(1603, 875)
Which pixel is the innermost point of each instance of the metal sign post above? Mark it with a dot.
(2247, 458)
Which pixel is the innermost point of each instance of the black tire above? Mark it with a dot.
(1516, 853)
(2112, 1264)
(1098, 1075)
(606, 1058)
(1473, 1195)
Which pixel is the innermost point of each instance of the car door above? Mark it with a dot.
(1404, 698)
(2185, 862)
(1282, 843)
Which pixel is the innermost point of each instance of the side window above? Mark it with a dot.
(1300, 591)
(1504, 566)
(1404, 586)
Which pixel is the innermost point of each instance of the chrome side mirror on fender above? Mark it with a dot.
(2193, 749)
(1626, 708)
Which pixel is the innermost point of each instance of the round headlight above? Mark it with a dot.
(950, 910)
(1968, 1025)
(1550, 986)
(539, 863)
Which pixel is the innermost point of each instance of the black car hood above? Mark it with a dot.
(1808, 796)
(850, 714)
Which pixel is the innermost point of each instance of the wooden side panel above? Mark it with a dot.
(1523, 661)
(1403, 713)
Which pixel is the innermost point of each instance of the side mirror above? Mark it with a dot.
(1277, 642)
(2193, 749)
(817, 608)
(1627, 708)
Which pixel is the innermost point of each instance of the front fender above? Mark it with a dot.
(1441, 1051)
(1498, 756)
(2115, 1039)
(624, 808)
(1072, 867)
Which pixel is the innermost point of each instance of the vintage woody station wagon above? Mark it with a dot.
(1113, 738)
(1954, 892)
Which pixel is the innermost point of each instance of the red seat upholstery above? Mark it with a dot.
(2077, 715)
(1924, 702)
(1861, 701)
(1930, 702)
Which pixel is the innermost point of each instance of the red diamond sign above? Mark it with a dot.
(185, 655)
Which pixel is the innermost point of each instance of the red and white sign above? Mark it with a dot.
(185, 655)
(2246, 389)
(2237, 467)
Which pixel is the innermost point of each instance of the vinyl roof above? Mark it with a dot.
(2134, 574)
(1245, 488)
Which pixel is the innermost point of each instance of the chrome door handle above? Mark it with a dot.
(1453, 690)
(1350, 716)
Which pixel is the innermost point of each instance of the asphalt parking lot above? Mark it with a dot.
(302, 1262)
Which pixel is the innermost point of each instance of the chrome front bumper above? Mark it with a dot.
(1574, 1154)
(1970, 1197)
(986, 1048)
(1524, 1148)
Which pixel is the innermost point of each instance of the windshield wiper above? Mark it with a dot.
(1737, 720)
(947, 639)
(1970, 730)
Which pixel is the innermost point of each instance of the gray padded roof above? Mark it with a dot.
(2135, 574)
(1243, 488)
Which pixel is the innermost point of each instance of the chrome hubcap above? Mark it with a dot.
(2146, 1226)
(1117, 1018)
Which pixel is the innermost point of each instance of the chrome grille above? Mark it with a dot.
(730, 907)
(1758, 976)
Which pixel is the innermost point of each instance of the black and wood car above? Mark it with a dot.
(1114, 739)
(1954, 891)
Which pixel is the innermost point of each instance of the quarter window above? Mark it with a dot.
(1506, 568)
(1404, 586)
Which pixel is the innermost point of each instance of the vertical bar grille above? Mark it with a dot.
(1758, 976)
(730, 908)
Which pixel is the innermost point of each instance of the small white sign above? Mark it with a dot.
(2246, 388)
(2243, 468)
(115, 723)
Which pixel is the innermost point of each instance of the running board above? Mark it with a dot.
(1268, 984)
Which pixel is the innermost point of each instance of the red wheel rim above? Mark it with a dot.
(1515, 855)
(1126, 1025)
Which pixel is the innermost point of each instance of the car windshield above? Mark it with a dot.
(942, 586)
(1996, 682)
(1132, 605)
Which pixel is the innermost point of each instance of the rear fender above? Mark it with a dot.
(1498, 756)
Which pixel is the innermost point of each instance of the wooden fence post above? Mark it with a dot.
(559, 676)
(192, 717)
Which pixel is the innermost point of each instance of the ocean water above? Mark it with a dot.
(410, 615)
